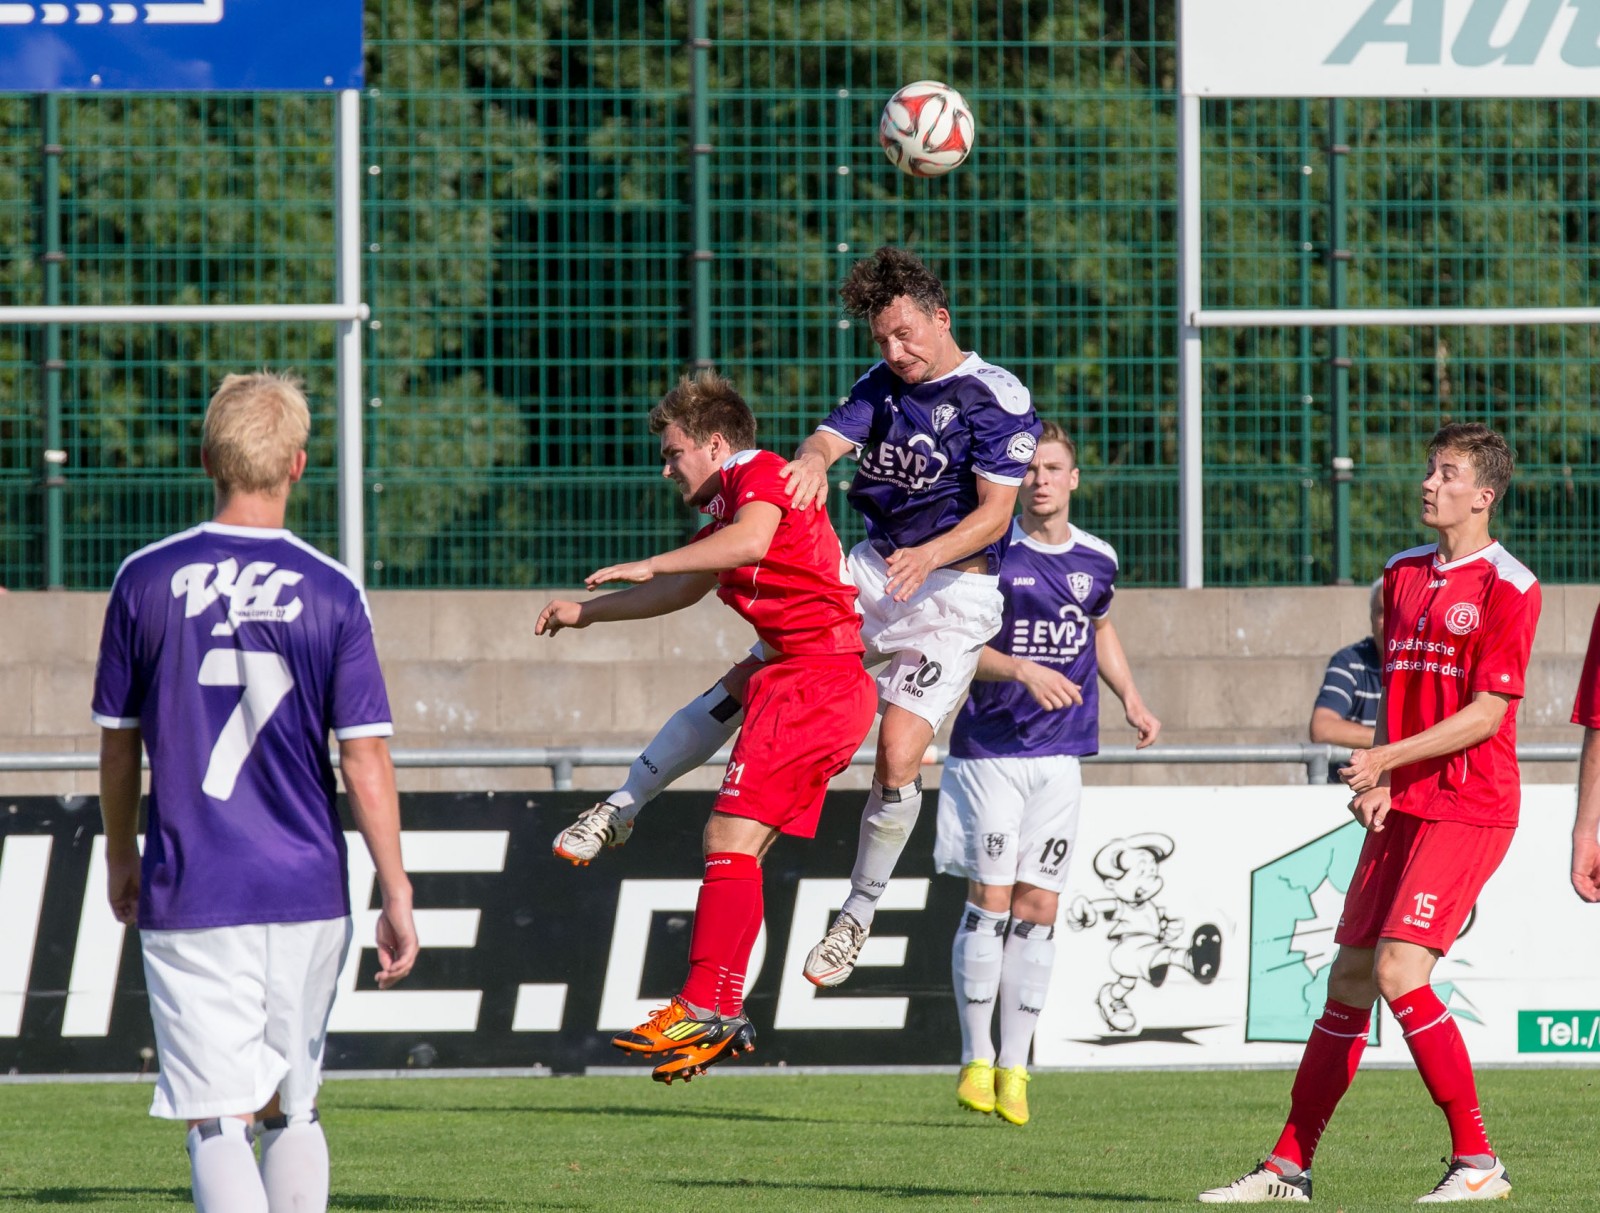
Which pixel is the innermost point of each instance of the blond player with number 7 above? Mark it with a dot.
(230, 652)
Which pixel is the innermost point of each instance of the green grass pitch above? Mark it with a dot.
(752, 1142)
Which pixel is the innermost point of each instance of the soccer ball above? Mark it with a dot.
(926, 129)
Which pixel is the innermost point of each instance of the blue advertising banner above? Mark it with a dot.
(180, 46)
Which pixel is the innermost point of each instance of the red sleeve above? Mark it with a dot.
(1586, 707)
(1501, 665)
(756, 479)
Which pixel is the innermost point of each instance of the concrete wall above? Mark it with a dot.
(465, 669)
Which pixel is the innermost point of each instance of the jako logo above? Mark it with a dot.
(1422, 32)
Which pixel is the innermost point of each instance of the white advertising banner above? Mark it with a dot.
(1254, 878)
(1390, 48)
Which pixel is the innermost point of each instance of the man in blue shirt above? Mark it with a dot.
(1346, 711)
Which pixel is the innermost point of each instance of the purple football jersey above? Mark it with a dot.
(1053, 594)
(235, 650)
(921, 448)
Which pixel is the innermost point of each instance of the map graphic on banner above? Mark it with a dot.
(1295, 902)
(180, 46)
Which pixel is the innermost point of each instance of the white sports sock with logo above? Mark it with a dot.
(1030, 954)
(294, 1163)
(695, 732)
(885, 827)
(975, 962)
(223, 1168)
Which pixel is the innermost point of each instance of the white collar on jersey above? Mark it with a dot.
(244, 532)
(1018, 535)
(1482, 553)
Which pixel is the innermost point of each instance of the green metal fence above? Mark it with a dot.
(544, 255)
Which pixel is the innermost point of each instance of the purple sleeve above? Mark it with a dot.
(118, 691)
(360, 700)
(1102, 606)
(1004, 437)
(852, 420)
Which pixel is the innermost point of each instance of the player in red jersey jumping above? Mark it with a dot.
(808, 706)
(1586, 825)
(1439, 794)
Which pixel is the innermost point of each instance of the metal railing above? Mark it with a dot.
(562, 761)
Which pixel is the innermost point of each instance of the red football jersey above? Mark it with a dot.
(1586, 707)
(799, 598)
(1450, 631)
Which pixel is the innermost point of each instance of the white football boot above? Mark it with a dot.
(598, 826)
(1259, 1186)
(834, 959)
(1463, 1182)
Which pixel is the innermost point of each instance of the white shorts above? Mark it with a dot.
(932, 641)
(241, 1014)
(1005, 821)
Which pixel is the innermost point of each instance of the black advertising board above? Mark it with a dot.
(527, 961)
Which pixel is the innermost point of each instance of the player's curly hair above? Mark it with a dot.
(704, 404)
(876, 282)
(1489, 454)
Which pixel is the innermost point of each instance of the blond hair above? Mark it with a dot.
(255, 425)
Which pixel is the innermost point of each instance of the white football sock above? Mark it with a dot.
(695, 732)
(294, 1163)
(975, 960)
(885, 826)
(1030, 954)
(223, 1168)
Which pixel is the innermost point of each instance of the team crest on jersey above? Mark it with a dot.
(943, 416)
(1021, 447)
(1462, 618)
(994, 845)
(1080, 584)
(718, 507)
(252, 592)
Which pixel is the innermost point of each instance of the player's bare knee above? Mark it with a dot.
(992, 898)
(1401, 967)
(1030, 903)
(1352, 978)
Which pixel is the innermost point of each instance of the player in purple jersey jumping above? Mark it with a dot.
(230, 651)
(1008, 806)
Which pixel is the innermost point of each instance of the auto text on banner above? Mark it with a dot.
(180, 46)
(1390, 48)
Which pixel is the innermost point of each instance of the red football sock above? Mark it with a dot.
(723, 934)
(1441, 1056)
(1327, 1068)
(733, 1000)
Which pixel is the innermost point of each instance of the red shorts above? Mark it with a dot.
(1418, 880)
(804, 719)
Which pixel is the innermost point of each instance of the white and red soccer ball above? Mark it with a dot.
(926, 129)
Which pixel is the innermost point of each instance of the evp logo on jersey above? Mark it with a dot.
(1056, 640)
(914, 466)
(252, 592)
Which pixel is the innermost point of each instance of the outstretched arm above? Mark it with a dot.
(744, 541)
(658, 596)
(1118, 675)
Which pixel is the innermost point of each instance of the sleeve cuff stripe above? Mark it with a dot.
(383, 729)
(115, 722)
(997, 478)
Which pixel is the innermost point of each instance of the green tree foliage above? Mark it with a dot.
(529, 219)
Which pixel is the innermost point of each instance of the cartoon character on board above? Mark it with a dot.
(1145, 938)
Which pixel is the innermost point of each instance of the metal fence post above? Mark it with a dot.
(1342, 467)
(52, 479)
(700, 183)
